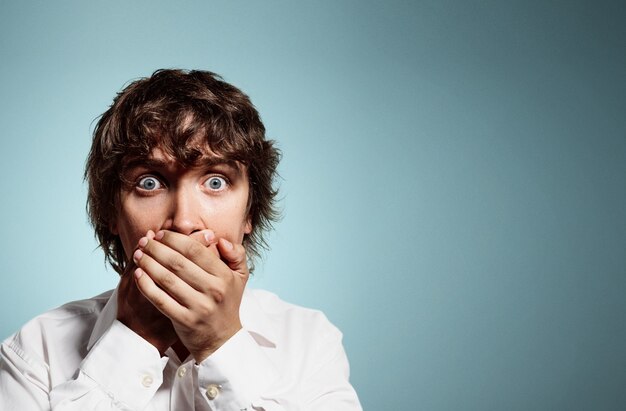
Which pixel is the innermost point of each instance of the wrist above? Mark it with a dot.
(201, 353)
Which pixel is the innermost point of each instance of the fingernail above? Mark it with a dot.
(150, 234)
(209, 236)
(159, 235)
(137, 255)
(138, 273)
(227, 244)
(143, 241)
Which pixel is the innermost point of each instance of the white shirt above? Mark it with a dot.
(80, 358)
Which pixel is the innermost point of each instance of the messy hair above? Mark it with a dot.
(186, 114)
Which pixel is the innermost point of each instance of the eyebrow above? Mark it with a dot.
(205, 162)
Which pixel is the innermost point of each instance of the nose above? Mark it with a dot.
(185, 215)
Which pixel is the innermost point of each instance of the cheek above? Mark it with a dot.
(230, 222)
(129, 237)
(131, 227)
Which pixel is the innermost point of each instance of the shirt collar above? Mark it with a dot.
(253, 318)
(105, 319)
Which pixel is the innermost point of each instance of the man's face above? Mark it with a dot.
(166, 196)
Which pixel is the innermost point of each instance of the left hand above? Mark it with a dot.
(198, 287)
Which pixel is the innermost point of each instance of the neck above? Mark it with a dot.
(181, 351)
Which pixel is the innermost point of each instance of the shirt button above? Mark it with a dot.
(212, 391)
(182, 371)
(147, 381)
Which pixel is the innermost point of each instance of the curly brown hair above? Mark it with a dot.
(186, 114)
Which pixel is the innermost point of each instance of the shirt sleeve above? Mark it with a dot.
(23, 382)
(235, 374)
(121, 372)
(328, 383)
(239, 375)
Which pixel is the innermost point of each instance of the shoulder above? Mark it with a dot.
(298, 340)
(66, 328)
(272, 305)
(68, 315)
(273, 315)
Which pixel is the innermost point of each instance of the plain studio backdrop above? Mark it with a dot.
(453, 180)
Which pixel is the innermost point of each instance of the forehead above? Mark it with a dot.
(160, 158)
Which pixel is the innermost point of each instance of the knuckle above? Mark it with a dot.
(218, 291)
(150, 247)
(239, 253)
(168, 280)
(207, 309)
(197, 316)
(189, 319)
(241, 250)
(203, 312)
(177, 263)
(159, 302)
(195, 250)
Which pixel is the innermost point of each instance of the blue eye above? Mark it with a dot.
(215, 183)
(149, 183)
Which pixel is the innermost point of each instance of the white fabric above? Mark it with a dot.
(80, 358)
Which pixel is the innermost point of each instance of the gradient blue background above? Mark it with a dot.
(453, 178)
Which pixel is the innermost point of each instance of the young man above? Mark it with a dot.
(180, 193)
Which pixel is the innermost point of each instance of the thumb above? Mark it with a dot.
(234, 255)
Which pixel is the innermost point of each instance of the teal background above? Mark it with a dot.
(453, 179)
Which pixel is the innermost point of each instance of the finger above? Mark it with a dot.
(234, 255)
(171, 270)
(161, 300)
(174, 275)
(130, 266)
(204, 257)
(204, 237)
